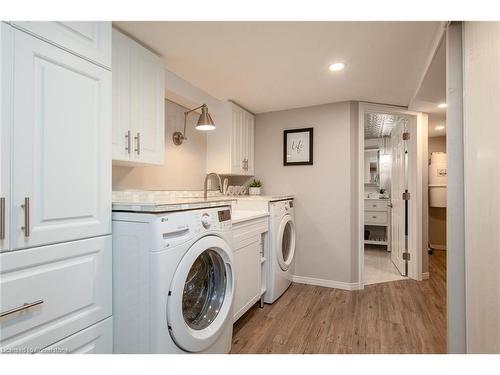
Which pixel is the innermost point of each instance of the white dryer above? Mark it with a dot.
(173, 282)
(281, 243)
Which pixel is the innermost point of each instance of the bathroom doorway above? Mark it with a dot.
(391, 142)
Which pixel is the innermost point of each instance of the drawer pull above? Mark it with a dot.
(138, 140)
(24, 306)
(127, 147)
(26, 207)
(374, 217)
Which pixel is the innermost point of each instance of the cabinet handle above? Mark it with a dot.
(24, 306)
(138, 142)
(127, 148)
(26, 207)
(2, 218)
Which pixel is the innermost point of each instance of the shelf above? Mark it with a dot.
(370, 242)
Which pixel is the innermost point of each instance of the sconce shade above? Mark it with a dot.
(205, 122)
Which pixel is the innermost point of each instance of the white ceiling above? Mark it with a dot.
(267, 66)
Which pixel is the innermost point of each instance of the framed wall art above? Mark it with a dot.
(298, 146)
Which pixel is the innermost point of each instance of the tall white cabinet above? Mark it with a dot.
(230, 148)
(138, 104)
(55, 264)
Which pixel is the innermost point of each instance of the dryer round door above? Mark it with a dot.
(201, 295)
(285, 244)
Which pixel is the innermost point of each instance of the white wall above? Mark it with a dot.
(326, 192)
(481, 48)
(184, 167)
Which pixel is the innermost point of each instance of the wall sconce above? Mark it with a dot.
(205, 123)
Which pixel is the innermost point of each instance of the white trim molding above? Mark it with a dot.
(327, 283)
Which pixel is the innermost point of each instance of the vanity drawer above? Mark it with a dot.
(375, 205)
(375, 217)
(68, 286)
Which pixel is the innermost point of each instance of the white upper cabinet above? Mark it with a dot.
(138, 104)
(5, 131)
(90, 40)
(230, 148)
(61, 170)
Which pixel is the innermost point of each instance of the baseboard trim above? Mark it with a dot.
(326, 283)
(425, 275)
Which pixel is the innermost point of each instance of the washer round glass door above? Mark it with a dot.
(285, 245)
(201, 295)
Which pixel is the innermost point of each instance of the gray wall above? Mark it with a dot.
(184, 167)
(326, 192)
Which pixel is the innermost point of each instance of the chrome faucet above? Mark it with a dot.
(206, 183)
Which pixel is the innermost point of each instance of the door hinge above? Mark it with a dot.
(406, 196)
(406, 256)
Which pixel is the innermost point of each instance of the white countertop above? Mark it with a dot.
(239, 216)
(268, 198)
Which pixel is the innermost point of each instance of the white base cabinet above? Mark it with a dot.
(138, 104)
(248, 262)
(97, 339)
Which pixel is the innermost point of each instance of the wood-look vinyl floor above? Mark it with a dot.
(395, 317)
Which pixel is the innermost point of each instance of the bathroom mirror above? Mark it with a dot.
(372, 167)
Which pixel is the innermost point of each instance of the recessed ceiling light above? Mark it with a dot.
(440, 127)
(335, 67)
(442, 105)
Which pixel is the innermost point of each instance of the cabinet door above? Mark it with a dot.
(61, 145)
(248, 278)
(68, 287)
(147, 89)
(97, 339)
(122, 134)
(91, 40)
(236, 141)
(5, 130)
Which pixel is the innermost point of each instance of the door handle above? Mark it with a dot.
(127, 148)
(24, 306)
(26, 207)
(138, 143)
(2, 218)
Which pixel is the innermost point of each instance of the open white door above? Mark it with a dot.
(398, 187)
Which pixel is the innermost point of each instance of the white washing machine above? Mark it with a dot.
(281, 252)
(173, 282)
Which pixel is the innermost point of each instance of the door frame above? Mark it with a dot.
(417, 170)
